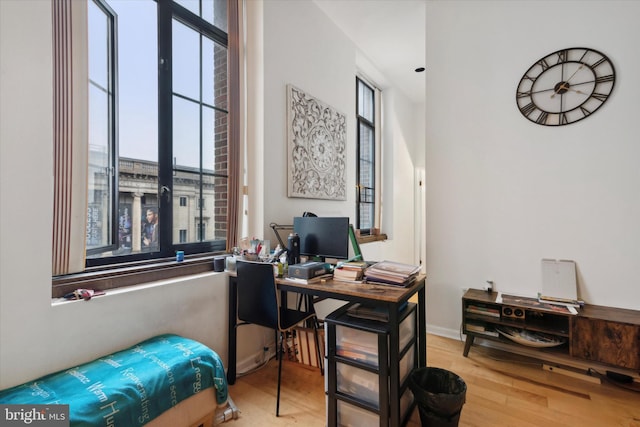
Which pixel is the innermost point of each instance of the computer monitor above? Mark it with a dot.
(323, 237)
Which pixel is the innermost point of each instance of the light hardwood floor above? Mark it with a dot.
(502, 390)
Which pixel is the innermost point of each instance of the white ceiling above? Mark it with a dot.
(390, 33)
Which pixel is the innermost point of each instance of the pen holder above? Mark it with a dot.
(230, 263)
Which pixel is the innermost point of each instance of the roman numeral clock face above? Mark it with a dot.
(565, 86)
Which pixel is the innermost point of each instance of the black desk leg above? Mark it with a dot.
(233, 315)
(393, 374)
(422, 328)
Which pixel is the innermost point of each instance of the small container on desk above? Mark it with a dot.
(230, 263)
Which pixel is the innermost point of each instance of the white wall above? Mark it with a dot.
(304, 48)
(502, 192)
(300, 46)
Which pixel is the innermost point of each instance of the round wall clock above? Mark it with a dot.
(565, 86)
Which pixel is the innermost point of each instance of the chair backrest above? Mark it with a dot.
(257, 298)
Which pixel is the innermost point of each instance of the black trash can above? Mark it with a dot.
(439, 395)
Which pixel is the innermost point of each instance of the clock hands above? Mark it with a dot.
(575, 90)
(574, 73)
(564, 86)
(557, 90)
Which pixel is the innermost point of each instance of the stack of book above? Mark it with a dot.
(480, 328)
(350, 271)
(483, 310)
(392, 273)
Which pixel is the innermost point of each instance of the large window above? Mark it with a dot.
(158, 129)
(366, 195)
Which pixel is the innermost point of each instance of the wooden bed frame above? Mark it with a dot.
(200, 410)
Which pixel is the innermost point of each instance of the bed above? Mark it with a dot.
(167, 380)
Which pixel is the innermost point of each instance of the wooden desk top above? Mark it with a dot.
(350, 291)
(371, 291)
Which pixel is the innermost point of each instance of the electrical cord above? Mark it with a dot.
(614, 378)
(254, 369)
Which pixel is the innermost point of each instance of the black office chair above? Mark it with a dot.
(259, 304)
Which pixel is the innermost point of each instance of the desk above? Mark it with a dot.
(391, 297)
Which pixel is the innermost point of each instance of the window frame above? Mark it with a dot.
(167, 11)
(372, 233)
(112, 93)
(143, 268)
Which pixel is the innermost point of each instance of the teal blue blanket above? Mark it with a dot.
(130, 387)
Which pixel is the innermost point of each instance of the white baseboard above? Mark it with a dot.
(254, 360)
(454, 334)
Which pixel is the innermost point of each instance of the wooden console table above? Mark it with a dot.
(606, 335)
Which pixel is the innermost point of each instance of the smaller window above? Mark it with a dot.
(183, 201)
(183, 236)
(367, 195)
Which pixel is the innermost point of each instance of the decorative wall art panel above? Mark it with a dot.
(316, 136)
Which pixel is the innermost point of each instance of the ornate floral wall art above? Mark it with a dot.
(316, 135)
